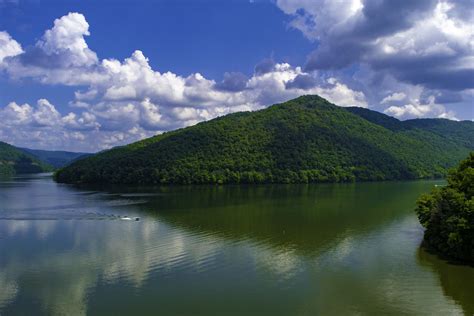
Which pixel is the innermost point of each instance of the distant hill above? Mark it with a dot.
(306, 139)
(57, 159)
(16, 161)
(460, 132)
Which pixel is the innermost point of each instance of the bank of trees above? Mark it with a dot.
(447, 213)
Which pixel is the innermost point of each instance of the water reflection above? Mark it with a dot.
(331, 249)
(306, 218)
(75, 255)
(457, 281)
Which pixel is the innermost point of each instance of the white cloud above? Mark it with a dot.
(66, 40)
(273, 87)
(120, 101)
(417, 109)
(16, 114)
(83, 122)
(42, 126)
(60, 56)
(397, 96)
(8, 46)
(427, 42)
(342, 95)
(45, 114)
(150, 116)
(123, 101)
(317, 18)
(120, 93)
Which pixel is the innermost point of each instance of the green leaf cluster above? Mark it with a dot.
(447, 213)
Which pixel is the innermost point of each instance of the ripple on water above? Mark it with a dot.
(174, 256)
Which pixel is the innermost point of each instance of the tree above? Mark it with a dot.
(447, 213)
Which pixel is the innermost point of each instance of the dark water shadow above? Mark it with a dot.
(457, 281)
(306, 218)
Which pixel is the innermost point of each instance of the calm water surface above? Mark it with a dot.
(342, 249)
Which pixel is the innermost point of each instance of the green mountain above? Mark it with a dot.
(458, 132)
(306, 139)
(56, 159)
(15, 161)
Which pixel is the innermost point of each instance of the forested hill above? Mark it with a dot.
(15, 161)
(459, 132)
(57, 159)
(306, 139)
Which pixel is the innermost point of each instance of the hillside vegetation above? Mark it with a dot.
(16, 161)
(306, 139)
(57, 159)
(458, 132)
(448, 214)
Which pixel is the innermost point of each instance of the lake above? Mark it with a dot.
(329, 249)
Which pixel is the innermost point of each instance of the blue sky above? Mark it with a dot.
(209, 37)
(89, 75)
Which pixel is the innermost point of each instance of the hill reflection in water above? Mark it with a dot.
(301, 249)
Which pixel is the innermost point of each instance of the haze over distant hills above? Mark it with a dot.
(306, 139)
(57, 159)
(15, 160)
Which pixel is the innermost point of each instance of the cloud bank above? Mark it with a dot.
(401, 63)
(127, 100)
(425, 42)
(401, 45)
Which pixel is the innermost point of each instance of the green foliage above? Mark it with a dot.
(306, 139)
(448, 214)
(15, 161)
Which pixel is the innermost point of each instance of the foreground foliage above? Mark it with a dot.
(448, 214)
(306, 139)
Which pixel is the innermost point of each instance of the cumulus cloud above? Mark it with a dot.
(66, 40)
(42, 126)
(428, 42)
(123, 101)
(416, 109)
(60, 56)
(397, 96)
(8, 46)
(45, 114)
(82, 122)
(38, 126)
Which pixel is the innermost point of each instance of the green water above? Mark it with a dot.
(340, 249)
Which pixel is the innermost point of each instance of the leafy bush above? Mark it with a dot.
(448, 214)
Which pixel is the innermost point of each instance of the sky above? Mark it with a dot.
(90, 75)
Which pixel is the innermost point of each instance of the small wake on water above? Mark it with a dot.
(64, 215)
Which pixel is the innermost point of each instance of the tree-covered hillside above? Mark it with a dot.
(56, 159)
(458, 132)
(15, 161)
(306, 139)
